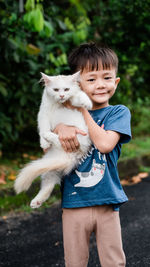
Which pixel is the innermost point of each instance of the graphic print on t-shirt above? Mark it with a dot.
(94, 175)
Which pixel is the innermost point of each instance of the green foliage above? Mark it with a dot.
(34, 16)
(9, 201)
(140, 111)
(138, 147)
(124, 25)
(35, 41)
(40, 38)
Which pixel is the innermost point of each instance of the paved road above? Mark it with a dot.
(35, 240)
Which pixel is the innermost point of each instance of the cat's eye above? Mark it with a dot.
(56, 89)
(66, 89)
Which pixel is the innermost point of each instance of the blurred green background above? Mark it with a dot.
(37, 36)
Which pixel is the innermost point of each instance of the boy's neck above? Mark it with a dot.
(99, 106)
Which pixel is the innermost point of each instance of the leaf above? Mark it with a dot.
(32, 49)
(61, 24)
(52, 57)
(2, 178)
(135, 179)
(32, 157)
(13, 43)
(48, 29)
(30, 4)
(23, 100)
(143, 175)
(3, 90)
(25, 155)
(38, 20)
(12, 176)
(28, 17)
(69, 24)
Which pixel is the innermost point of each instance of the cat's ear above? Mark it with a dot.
(45, 78)
(76, 76)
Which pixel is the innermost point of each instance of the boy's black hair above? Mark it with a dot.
(91, 57)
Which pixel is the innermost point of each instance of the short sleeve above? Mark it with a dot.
(119, 120)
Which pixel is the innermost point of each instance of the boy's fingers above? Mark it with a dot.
(64, 145)
(78, 131)
(102, 126)
(74, 145)
(70, 145)
(76, 142)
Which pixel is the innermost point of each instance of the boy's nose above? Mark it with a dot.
(100, 85)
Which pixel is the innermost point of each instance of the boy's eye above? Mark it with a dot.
(66, 89)
(107, 78)
(91, 80)
(56, 89)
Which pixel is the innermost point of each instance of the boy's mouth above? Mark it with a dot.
(100, 93)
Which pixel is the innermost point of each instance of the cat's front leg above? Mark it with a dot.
(43, 143)
(51, 138)
(81, 100)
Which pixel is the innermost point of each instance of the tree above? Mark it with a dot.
(40, 37)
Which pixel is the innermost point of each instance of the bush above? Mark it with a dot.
(40, 38)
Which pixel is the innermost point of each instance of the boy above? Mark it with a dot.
(88, 208)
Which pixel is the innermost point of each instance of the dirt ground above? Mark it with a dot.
(35, 240)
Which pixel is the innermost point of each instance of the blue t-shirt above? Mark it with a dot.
(96, 181)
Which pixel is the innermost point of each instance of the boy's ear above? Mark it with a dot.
(45, 78)
(117, 81)
(76, 76)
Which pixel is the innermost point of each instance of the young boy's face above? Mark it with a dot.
(99, 85)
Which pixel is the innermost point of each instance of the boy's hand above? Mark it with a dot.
(68, 136)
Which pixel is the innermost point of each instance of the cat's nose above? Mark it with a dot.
(61, 96)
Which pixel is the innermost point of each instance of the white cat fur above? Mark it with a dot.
(56, 162)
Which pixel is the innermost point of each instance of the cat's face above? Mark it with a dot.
(61, 87)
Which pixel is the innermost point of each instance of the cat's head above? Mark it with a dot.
(61, 87)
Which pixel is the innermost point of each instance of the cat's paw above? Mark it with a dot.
(44, 144)
(35, 204)
(82, 101)
(87, 104)
(51, 138)
(48, 136)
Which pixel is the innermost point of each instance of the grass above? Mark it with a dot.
(9, 201)
(9, 166)
(21, 203)
(136, 148)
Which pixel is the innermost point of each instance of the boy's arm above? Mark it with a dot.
(105, 141)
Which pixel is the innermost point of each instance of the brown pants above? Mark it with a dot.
(79, 223)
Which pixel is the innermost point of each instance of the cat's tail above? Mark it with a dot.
(35, 169)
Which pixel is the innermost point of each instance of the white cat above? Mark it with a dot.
(56, 162)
